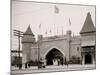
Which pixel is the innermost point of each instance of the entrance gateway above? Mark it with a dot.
(69, 46)
(88, 54)
(54, 57)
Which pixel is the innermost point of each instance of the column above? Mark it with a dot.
(93, 59)
(83, 59)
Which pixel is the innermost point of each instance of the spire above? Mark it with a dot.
(28, 31)
(88, 25)
(28, 36)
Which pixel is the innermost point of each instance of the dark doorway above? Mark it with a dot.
(54, 54)
(88, 59)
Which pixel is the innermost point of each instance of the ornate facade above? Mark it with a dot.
(61, 48)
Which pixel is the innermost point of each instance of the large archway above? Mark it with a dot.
(88, 59)
(54, 57)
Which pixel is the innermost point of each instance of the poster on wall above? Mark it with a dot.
(52, 37)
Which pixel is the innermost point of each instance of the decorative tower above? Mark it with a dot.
(88, 26)
(27, 40)
(88, 36)
(68, 53)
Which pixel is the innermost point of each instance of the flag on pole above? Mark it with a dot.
(40, 30)
(69, 22)
(40, 26)
(56, 9)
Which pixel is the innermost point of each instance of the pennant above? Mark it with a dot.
(56, 9)
(69, 22)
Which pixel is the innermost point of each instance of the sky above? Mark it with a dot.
(34, 14)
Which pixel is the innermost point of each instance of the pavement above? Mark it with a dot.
(15, 70)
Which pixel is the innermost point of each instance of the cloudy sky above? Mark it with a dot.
(25, 13)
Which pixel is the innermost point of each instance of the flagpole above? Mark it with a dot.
(40, 29)
(69, 23)
(54, 23)
(56, 11)
(62, 30)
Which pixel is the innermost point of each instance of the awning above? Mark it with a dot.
(88, 43)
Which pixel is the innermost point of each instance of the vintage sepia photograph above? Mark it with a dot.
(52, 37)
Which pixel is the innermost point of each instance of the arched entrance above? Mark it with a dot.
(88, 59)
(54, 57)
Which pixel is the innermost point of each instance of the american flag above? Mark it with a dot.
(56, 9)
